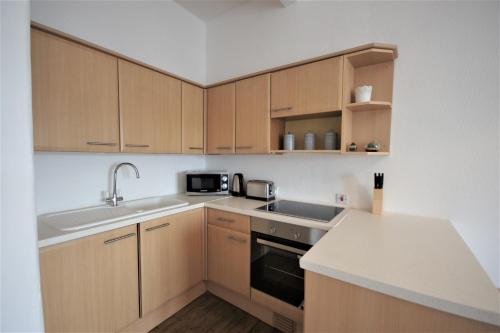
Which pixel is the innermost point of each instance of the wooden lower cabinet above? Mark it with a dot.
(91, 284)
(332, 305)
(229, 259)
(172, 256)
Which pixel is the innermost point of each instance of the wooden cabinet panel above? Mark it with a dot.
(91, 284)
(75, 96)
(220, 119)
(186, 250)
(229, 220)
(229, 259)
(332, 305)
(192, 119)
(306, 89)
(252, 115)
(171, 257)
(155, 260)
(150, 110)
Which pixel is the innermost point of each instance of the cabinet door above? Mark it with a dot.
(91, 284)
(192, 119)
(220, 118)
(155, 260)
(229, 259)
(306, 89)
(186, 251)
(150, 110)
(75, 96)
(252, 115)
(172, 253)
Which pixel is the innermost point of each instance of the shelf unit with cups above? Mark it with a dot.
(310, 103)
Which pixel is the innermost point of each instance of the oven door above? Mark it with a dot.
(275, 268)
(203, 183)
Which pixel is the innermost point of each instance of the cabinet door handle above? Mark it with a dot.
(237, 239)
(222, 219)
(224, 147)
(288, 108)
(112, 240)
(244, 147)
(199, 148)
(158, 226)
(99, 143)
(133, 145)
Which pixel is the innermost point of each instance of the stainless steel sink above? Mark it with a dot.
(78, 219)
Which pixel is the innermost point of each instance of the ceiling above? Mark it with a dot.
(209, 9)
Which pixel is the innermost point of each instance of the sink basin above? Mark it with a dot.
(85, 218)
(79, 219)
(153, 204)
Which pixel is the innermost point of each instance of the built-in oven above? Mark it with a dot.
(276, 250)
(207, 182)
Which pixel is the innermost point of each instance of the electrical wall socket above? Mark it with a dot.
(341, 199)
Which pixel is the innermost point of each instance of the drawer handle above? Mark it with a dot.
(133, 145)
(244, 147)
(224, 147)
(99, 143)
(158, 226)
(112, 240)
(222, 219)
(199, 148)
(288, 108)
(237, 239)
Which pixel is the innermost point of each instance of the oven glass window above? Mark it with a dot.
(275, 271)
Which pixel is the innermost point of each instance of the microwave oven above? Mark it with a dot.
(206, 182)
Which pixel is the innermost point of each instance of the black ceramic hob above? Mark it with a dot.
(304, 210)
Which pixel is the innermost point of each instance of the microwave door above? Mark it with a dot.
(203, 183)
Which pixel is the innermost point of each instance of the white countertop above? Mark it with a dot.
(422, 260)
(418, 259)
(51, 236)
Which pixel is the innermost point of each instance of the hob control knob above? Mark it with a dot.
(272, 230)
(296, 235)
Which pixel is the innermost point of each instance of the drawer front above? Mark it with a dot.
(228, 220)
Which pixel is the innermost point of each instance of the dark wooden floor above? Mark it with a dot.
(208, 313)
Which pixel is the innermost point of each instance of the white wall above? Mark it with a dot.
(445, 130)
(73, 180)
(21, 307)
(159, 33)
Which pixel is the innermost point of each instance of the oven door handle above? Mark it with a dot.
(281, 246)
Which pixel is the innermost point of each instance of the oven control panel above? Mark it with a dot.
(288, 231)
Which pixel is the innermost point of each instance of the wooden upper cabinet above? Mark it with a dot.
(252, 115)
(172, 257)
(150, 110)
(307, 89)
(220, 119)
(75, 96)
(91, 284)
(192, 119)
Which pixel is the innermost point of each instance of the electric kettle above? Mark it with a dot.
(237, 188)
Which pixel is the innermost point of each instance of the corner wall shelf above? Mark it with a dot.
(302, 151)
(366, 153)
(369, 106)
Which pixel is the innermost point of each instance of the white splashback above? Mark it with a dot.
(72, 180)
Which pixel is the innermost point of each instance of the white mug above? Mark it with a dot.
(363, 94)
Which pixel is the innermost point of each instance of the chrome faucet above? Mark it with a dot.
(114, 199)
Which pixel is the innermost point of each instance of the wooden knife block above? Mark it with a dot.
(378, 201)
